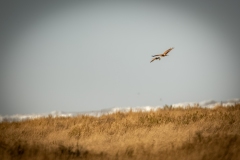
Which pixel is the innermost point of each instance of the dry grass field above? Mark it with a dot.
(168, 133)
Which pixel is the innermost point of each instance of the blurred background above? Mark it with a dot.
(91, 55)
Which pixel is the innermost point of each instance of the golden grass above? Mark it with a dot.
(191, 133)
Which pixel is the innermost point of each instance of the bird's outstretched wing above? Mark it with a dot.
(164, 53)
(155, 58)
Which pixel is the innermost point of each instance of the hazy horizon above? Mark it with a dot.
(83, 56)
(210, 104)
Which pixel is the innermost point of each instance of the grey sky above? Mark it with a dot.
(83, 56)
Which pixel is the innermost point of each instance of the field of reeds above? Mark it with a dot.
(168, 133)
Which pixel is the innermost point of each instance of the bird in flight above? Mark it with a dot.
(164, 54)
(155, 58)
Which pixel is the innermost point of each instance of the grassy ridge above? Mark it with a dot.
(192, 133)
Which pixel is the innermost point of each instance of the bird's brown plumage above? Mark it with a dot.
(164, 53)
(155, 58)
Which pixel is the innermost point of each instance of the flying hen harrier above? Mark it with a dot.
(157, 56)
(164, 54)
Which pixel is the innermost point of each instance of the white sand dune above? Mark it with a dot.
(207, 104)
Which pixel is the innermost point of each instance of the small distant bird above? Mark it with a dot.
(155, 58)
(164, 54)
